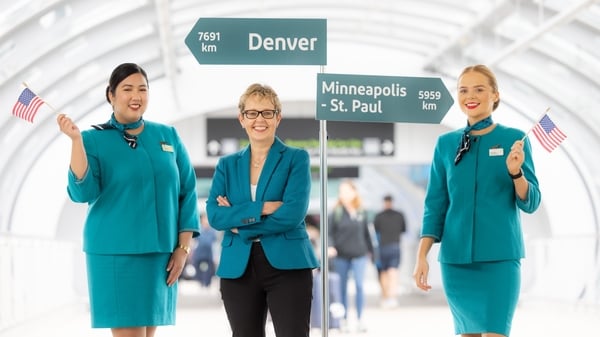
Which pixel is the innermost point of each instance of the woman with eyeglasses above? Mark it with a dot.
(481, 178)
(259, 198)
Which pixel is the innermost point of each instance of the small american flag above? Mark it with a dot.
(549, 135)
(27, 105)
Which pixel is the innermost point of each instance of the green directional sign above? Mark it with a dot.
(343, 97)
(259, 41)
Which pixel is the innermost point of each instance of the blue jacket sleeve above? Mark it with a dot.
(534, 196)
(436, 199)
(87, 188)
(188, 217)
(239, 214)
(295, 200)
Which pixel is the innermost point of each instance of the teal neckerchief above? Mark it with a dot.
(122, 127)
(114, 124)
(465, 139)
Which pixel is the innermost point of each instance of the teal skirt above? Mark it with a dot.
(130, 290)
(482, 296)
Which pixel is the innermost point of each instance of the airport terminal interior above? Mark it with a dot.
(545, 54)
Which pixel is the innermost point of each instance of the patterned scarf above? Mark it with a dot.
(114, 124)
(465, 139)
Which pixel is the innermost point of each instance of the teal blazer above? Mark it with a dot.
(471, 208)
(139, 200)
(285, 177)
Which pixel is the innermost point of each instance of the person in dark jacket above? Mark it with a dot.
(350, 246)
(203, 258)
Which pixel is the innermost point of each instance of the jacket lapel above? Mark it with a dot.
(271, 163)
(243, 170)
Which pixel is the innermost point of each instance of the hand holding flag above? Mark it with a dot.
(27, 105)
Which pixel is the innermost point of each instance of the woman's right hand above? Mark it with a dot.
(269, 207)
(420, 274)
(222, 201)
(68, 127)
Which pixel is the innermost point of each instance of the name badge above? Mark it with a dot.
(166, 147)
(496, 151)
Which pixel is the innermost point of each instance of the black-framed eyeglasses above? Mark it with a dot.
(253, 114)
(465, 145)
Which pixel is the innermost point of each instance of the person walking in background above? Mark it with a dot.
(389, 225)
(259, 198)
(472, 207)
(203, 258)
(350, 246)
(140, 186)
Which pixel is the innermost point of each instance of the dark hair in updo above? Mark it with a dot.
(120, 73)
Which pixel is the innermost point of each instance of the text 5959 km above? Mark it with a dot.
(430, 94)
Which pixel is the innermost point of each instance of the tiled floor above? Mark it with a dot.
(419, 314)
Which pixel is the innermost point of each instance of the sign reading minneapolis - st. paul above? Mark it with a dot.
(343, 97)
(259, 41)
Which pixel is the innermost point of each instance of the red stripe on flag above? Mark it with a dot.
(27, 105)
(549, 135)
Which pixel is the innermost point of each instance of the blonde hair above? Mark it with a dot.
(487, 72)
(357, 201)
(262, 91)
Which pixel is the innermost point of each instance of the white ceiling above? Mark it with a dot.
(546, 53)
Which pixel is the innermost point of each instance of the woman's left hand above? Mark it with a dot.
(223, 202)
(176, 265)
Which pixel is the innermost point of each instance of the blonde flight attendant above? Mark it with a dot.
(481, 178)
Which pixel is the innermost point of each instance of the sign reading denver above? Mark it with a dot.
(259, 41)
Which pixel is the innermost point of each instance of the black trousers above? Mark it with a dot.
(285, 294)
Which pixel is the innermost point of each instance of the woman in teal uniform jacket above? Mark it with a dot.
(140, 187)
(472, 207)
(259, 198)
